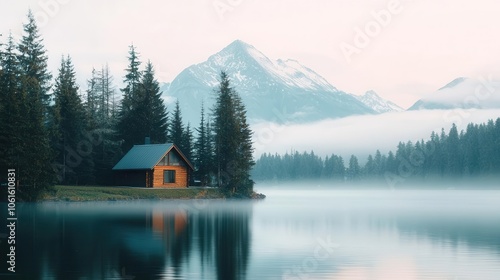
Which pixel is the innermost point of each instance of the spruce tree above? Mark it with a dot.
(34, 79)
(150, 115)
(102, 123)
(224, 130)
(33, 61)
(453, 158)
(379, 162)
(369, 168)
(14, 121)
(127, 127)
(73, 151)
(187, 142)
(210, 157)
(354, 168)
(176, 129)
(3, 116)
(233, 144)
(202, 151)
(244, 152)
(338, 168)
(91, 102)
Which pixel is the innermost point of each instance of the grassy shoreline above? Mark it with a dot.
(99, 193)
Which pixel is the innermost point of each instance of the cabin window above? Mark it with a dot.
(168, 176)
(163, 161)
(174, 159)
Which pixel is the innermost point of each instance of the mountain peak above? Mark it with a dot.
(238, 53)
(272, 90)
(460, 93)
(237, 46)
(377, 103)
(371, 93)
(454, 83)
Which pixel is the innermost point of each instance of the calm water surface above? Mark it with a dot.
(301, 233)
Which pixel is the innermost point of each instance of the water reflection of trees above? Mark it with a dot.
(152, 244)
(480, 232)
(218, 238)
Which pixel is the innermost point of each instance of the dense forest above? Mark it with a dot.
(52, 132)
(470, 153)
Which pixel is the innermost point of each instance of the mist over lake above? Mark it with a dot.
(347, 136)
(305, 231)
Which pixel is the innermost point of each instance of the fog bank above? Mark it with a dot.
(362, 135)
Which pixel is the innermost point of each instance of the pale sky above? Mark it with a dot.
(415, 47)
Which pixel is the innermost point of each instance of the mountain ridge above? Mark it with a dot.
(377, 103)
(283, 91)
(463, 93)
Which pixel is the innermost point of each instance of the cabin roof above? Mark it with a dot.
(144, 157)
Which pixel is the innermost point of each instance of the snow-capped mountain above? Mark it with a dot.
(282, 91)
(377, 103)
(463, 93)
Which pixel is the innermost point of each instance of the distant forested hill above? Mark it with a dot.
(471, 153)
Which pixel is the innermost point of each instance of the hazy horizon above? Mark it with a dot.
(382, 132)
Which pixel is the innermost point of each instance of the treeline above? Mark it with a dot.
(53, 133)
(306, 165)
(468, 154)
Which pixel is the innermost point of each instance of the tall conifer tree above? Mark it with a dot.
(13, 107)
(149, 112)
(176, 129)
(73, 152)
(202, 152)
(37, 175)
(126, 126)
(233, 144)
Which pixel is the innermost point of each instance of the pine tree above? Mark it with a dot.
(233, 143)
(132, 79)
(338, 168)
(73, 152)
(14, 121)
(369, 168)
(453, 157)
(187, 143)
(471, 153)
(224, 131)
(33, 61)
(3, 116)
(245, 148)
(201, 151)
(34, 79)
(354, 168)
(142, 111)
(101, 124)
(149, 112)
(127, 127)
(327, 171)
(210, 156)
(91, 101)
(176, 129)
(107, 96)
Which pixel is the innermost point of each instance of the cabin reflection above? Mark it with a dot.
(219, 239)
(154, 243)
(168, 224)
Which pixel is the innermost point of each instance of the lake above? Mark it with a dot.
(295, 233)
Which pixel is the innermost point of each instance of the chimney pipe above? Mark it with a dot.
(147, 141)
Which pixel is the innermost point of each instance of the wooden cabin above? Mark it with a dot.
(154, 166)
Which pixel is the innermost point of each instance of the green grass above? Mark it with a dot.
(84, 193)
